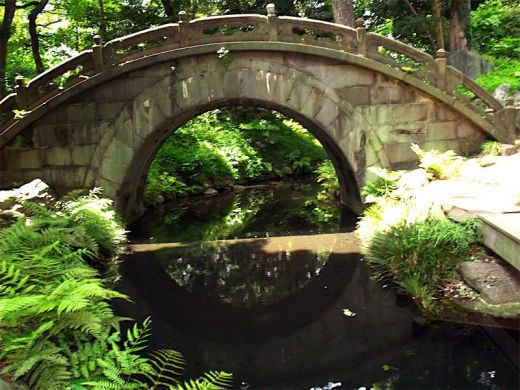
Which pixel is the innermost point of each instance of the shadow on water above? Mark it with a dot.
(292, 311)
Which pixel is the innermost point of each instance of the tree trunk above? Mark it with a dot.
(436, 10)
(102, 20)
(35, 39)
(5, 34)
(459, 25)
(168, 10)
(343, 11)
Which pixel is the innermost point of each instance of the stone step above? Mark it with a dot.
(501, 234)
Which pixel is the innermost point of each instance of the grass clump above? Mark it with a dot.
(406, 236)
(422, 255)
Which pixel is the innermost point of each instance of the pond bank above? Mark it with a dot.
(483, 187)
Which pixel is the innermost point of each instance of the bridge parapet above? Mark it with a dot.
(417, 66)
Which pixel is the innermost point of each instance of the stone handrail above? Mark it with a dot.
(317, 33)
(243, 28)
(402, 56)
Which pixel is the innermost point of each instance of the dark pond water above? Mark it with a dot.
(268, 283)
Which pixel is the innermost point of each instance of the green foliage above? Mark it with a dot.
(496, 28)
(382, 187)
(422, 255)
(57, 328)
(491, 148)
(227, 146)
(507, 71)
(440, 165)
(98, 218)
(327, 178)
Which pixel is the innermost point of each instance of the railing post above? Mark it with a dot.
(441, 69)
(272, 22)
(361, 34)
(22, 100)
(183, 28)
(509, 116)
(97, 52)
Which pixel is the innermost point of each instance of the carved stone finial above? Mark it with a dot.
(97, 40)
(183, 16)
(20, 81)
(271, 9)
(441, 53)
(360, 23)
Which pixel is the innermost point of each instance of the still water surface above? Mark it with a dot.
(268, 283)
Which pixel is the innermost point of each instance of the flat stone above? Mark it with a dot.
(496, 283)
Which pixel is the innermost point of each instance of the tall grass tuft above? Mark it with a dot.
(422, 255)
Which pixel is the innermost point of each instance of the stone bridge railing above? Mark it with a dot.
(420, 66)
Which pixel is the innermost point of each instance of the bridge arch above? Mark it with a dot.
(104, 127)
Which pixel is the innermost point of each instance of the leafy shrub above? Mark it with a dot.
(495, 26)
(382, 187)
(422, 255)
(440, 165)
(99, 219)
(232, 145)
(507, 71)
(327, 178)
(491, 148)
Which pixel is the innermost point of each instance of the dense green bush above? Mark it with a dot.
(507, 71)
(57, 329)
(495, 27)
(232, 145)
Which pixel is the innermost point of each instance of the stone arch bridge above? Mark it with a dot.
(99, 118)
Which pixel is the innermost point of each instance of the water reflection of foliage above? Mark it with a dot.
(242, 274)
(211, 223)
(279, 208)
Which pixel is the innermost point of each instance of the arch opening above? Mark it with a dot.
(131, 198)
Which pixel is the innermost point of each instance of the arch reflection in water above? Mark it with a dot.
(249, 272)
(291, 331)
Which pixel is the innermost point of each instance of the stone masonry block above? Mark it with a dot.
(438, 131)
(24, 158)
(81, 113)
(58, 156)
(109, 111)
(356, 96)
(399, 152)
(389, 94)
(53, 135)
(371, 157)
(82, 154)
(442, 146)
(465, 129)
(299, 95)
(401, 132)
(444, 113)
(328, 113)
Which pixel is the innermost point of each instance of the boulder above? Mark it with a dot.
(501, 93)
(497, 283)
(35, 191)
(210, 192)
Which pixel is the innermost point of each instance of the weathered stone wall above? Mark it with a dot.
(108, 136)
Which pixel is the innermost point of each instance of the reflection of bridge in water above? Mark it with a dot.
(338, 326)
(99, 118)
